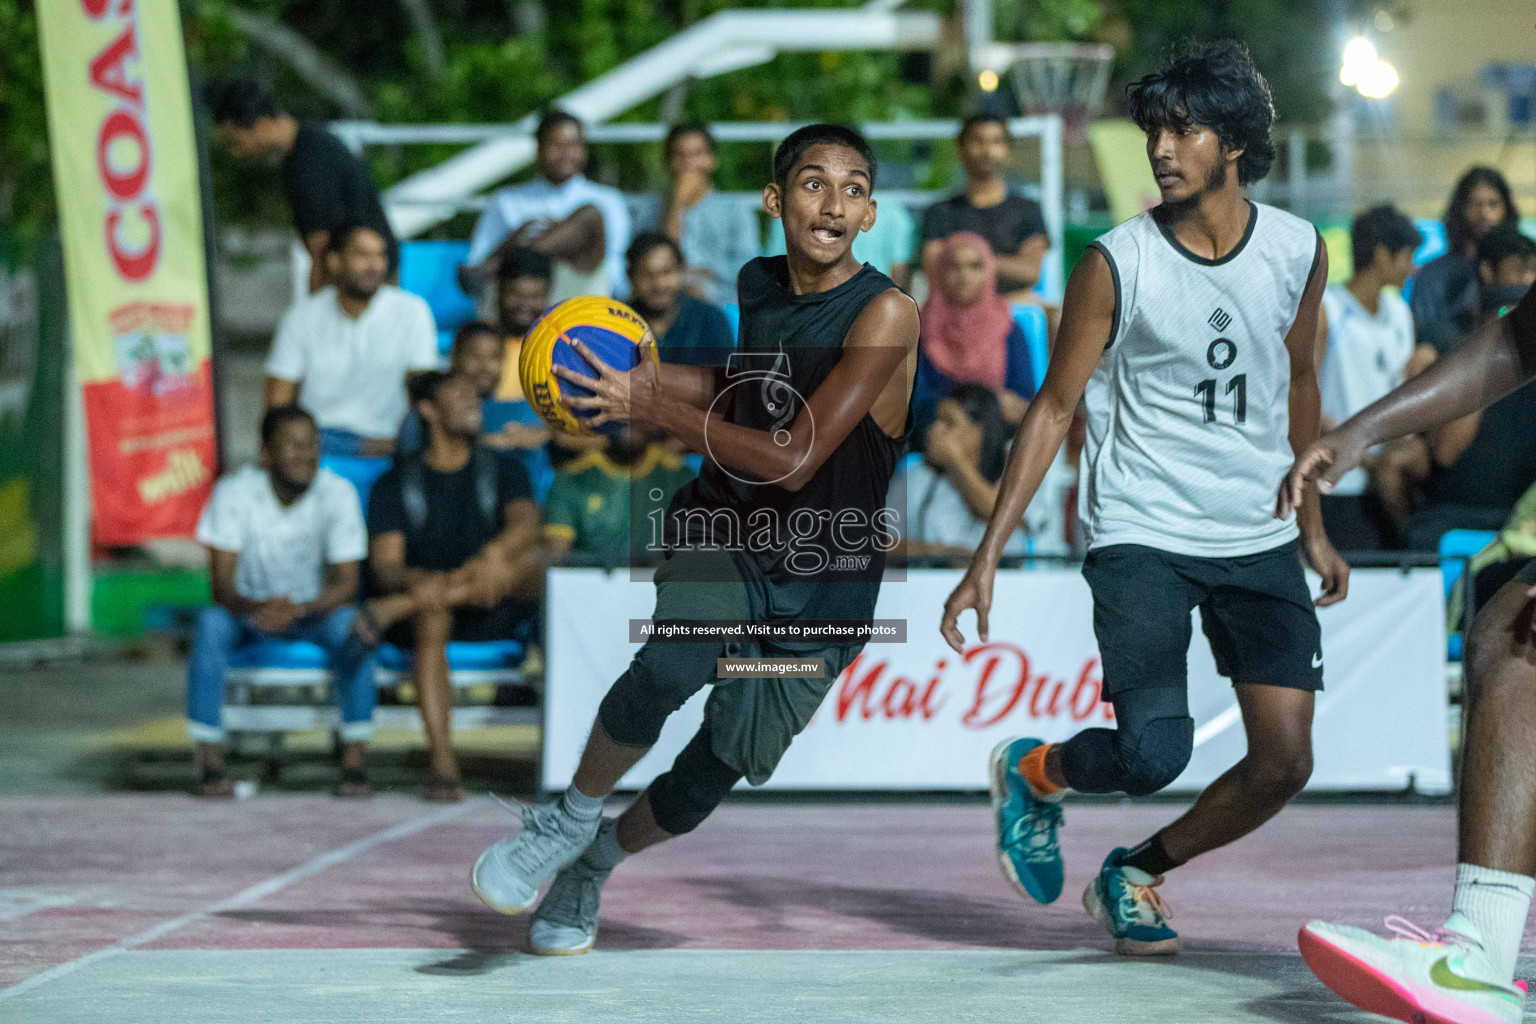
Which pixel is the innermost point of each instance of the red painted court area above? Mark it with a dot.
(168, 873)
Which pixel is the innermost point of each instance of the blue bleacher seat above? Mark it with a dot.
(431, 269)
(1031, 320)
(361, 473)
(286, 654)
(733, 317)
(1457, 548)
(488, 655)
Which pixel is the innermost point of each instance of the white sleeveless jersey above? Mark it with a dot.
(1188, 410)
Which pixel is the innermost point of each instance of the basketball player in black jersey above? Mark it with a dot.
(786, 522)
(1463, 972)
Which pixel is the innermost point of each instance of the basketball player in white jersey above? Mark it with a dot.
(1192, 329)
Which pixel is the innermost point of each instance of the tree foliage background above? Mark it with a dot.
(497, 60)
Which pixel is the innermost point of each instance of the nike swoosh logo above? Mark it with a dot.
(1317, 660)
(1442, 974)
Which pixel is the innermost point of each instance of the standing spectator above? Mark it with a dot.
(455, 553)
(969, 334)
(583, 227)
(327, 185)
(1445, 293)
(887, 245)
(1365, 334)
(687, 330)
(717, 234)
(606, 504)
(1011, 224)
(284, 546)
(944, 501)
(344, 352)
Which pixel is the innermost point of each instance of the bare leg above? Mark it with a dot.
(435, 696)
(1498, 774)
(604, 763)
(208, 758)
(1278, 720)
(638, 828)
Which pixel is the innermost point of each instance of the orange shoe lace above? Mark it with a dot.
(1149, 895)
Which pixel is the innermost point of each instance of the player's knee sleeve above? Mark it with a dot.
(1154, 755)
(633, 711)
(684, 795)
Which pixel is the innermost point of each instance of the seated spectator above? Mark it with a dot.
(717, 234)
(477, 356)
(1506, 268)
(944, 502)
(887, 245)
(583, 227)
(1365, 334)
(327, 185)
(1445, 291)
(1013, 226)
(1498, 563)
(687, 330)
(604, 504)
(1483, 463)
(969, 334)
(454, 553)
(284, 545)
(344, 353)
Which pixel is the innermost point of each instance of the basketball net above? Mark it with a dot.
(1068, 79)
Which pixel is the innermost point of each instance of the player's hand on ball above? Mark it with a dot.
(616, 396)
(1325, 461)
(975, 593)
(1325, 561)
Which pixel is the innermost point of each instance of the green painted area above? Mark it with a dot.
(126, 602)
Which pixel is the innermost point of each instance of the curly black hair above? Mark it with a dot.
(1214, 85)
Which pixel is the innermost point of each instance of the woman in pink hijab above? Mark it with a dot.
(969, 335)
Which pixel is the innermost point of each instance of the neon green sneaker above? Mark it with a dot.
(1422, 978)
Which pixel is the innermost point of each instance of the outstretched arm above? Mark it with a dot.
(876, 349)
(1499, 357)
(1087, 318)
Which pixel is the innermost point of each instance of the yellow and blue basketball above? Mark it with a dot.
(610, 329)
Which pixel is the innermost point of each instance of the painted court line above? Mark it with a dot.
(244, 898)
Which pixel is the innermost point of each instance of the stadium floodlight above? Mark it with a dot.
(1365, 71)
(1359, 55)
(1378, 80)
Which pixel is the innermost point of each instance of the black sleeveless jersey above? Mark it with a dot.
(817, 553)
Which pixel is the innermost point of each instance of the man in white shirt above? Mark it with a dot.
(344, 353)
(581, 225)
(1365, 348)
(284, 546)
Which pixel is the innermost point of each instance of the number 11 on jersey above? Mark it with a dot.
(1237, 387)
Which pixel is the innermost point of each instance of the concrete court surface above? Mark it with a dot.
(156, 909)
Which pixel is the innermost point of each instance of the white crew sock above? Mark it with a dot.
(580, 806)
(1497, 902)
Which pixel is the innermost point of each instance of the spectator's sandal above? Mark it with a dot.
(353, 784)
(213, 784)
(442, 789)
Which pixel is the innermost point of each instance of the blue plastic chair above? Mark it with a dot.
(361, 473)
(1031, 320)
(280, 654)
(486, 656)
(1457, 547)
(431, 270)
(732, 313)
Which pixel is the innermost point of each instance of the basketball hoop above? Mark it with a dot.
(1062, 78)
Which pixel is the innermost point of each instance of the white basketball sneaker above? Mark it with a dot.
(1422, 978)
(508, 875)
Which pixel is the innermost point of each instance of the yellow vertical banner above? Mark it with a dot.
(126, 175)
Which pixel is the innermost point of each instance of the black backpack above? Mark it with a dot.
(413, 489)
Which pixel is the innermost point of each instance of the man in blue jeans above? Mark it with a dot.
(285, 543)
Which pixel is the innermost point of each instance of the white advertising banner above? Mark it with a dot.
(915, 716)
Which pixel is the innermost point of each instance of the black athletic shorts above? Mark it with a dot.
(1256, 611)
